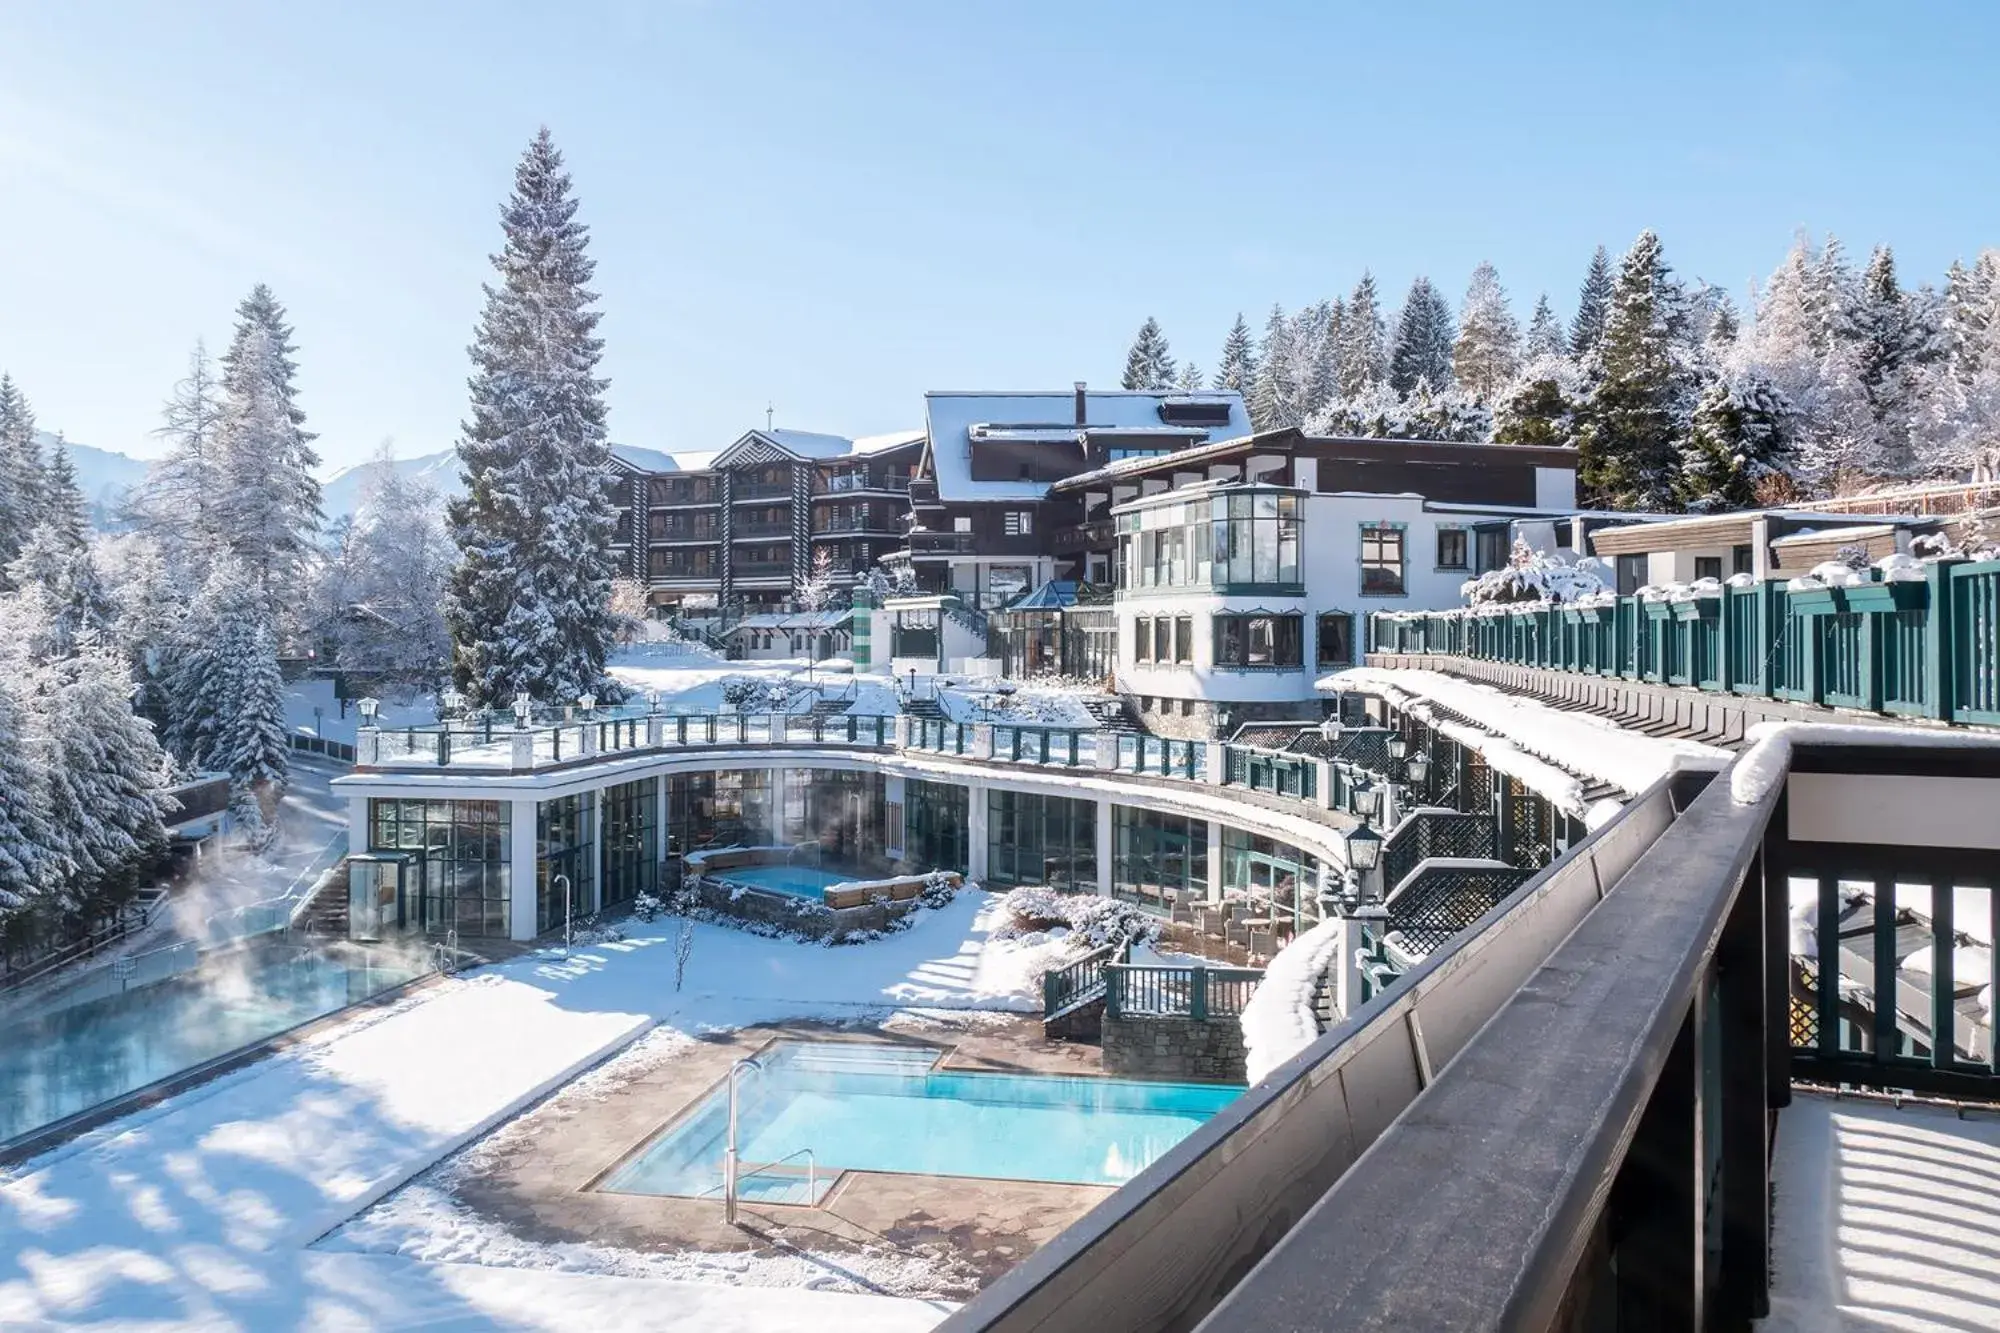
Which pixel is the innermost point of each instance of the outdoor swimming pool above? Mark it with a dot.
(793, 881)
(865, 1106)
(53, 1065)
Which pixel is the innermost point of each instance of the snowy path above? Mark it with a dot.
(197, 1214)
(1885, 1218)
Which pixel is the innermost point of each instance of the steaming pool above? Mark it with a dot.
(54, 1065)
(867, 1106)
(792, 881)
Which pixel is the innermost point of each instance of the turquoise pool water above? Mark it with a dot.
(876, 1107)
(54, 1065)
(795, 881)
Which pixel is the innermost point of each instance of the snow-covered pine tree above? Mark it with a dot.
(1958, 421)
(1273, 397)
(1488, 350)
(1545, 333)
(1830, 297)
(1364, 354)
(379, 601)
(20, 473)
(1593, 304)
(25, 834)
(1147, 364)
(179, 498)
(249, 743)
(1632, 425)
(1311, 328)
(1540, 406)
(1327, 369)
(530, 599)
(62, 508)
(1890, 342)
(1237, 368)
(259, 374)
(1740, 435)
(152, 605)
(1190, 378)
(1424, 335)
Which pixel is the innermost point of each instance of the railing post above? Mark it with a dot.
(523, 749)
(1939, 658)
(1198, 994)
(1743, 990)
(1656, 1201)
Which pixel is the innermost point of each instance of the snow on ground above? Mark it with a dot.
(1578, 742)
(1884, 1218)
(312, 710)
(199, 1212)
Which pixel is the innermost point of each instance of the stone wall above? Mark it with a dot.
(1143, 1046)
(799, 916)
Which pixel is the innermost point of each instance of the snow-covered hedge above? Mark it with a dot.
(1537, 576)
(1093, 921)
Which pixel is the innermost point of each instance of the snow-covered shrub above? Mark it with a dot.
(646, 907)
(1094, 921)
(1536, 576)
(939, 889)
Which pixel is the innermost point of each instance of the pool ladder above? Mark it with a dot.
(732, 1172)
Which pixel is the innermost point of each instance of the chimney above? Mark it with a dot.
(1082, 416)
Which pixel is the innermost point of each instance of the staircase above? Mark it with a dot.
(1113, 712)
(324, 915)
(1444, 895)
(923, 708)
(1434, 831)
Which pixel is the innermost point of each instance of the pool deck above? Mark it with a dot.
(536, 1176)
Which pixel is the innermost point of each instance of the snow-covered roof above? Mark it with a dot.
(1049, 417)
(895, 439)
(645, 460)
(790, 620)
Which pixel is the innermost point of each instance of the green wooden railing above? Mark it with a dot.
(1083, 980)
(1925, 648)
(1193, 993)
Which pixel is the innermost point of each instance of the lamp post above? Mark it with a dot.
(522, 705)
(369, 708)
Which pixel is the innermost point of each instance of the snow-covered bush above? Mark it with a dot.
(1094, 921)
(1536, 576)
(939, 889)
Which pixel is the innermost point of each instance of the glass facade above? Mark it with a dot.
(631, 840)
(565, 849)
(729, 807)
(934, 825)
(460, 849)
(1158, 860)
(1034, 839)
(1241, 539)
(839, 810)
(1274, 875)
(1255, 642)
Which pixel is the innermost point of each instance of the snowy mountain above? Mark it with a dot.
(105, 476)
(341, 493)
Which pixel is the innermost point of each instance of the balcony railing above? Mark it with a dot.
(891, 483)
(754, 531)
(1925, 648)
(942, 543)
(744, 491)
(760, 569)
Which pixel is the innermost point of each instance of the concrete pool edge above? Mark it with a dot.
(23, 1148)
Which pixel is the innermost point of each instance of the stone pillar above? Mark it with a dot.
(1323, 782)
(975, 832)
(524, 749)
(1104, 749)
(656, 731)
(1347, 966)
(521, 868)
(905, 728)
(1215, 860)
(1217, 764)
(357, 824)
(586, 740)
(1104, 846)
(367, 747)
(982, 740)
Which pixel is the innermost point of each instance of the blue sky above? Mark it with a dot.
(832, 207)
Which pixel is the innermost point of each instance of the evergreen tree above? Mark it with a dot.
(1364, 356)
(1238, 367)
(1312, 328)
(179, 499)
(1593, 304)
(1488, 350)
(1829, 297)
(25, 833)
(249, 742)
(268, 508)
(1540, 406)
(20, 472)
(380, 602)
(152, 607)
(1545, 333)
(1190, 378)
(1424, 334)
(1274, 397)
(1723, 325)
(1147, 365)
(106, 778)
(1890, 344)
(1740, 434)
(530, 599)
(1332, 345)
(62, 508)
(1631, 427)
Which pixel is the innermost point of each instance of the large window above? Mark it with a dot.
(1184, 639)
(1032, 839)
(719, 809)
(462, 881)
(841, 811)
(1451, 548)
(631, 840)
(1336, 640)
(1242, 538)
(1257, 641)
(1158, 860)
(934, 823)
(1381, 560)
(1708, 567)
(1277, 879)
(565, 852)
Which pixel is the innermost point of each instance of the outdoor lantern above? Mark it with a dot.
(522, 703)
(1398, 747)
(1364, 849)
(452, 701)
(1368, 802)
(369, 708)
(586, 702)
(1416, 768)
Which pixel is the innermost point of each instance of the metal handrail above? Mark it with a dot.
(812, 1172)
(729, 1159)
